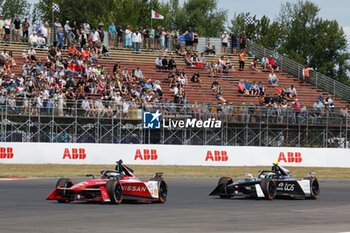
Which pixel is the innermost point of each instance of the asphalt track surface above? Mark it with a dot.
(23, 208)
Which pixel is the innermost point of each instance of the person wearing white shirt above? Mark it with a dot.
(45, 31)
(136, 39)
(159, 63)
(42, 41)
(224, 39)
(138, 74)
(7, 28)
(33, 39)
(86, 26)
(95, 36)
(273, 80)
(128, 35)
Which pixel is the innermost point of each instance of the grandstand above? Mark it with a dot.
(260, 129)
(307, 94)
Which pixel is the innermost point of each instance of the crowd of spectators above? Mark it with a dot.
(76, 79)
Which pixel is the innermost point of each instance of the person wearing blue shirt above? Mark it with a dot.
(60, 38)
(247, 86)
(112, 32)
(189, 38)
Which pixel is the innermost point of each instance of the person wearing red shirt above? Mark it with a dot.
(272, 63)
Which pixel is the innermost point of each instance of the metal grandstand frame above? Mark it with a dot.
(20, 125)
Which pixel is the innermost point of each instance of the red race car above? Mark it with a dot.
(113, 186)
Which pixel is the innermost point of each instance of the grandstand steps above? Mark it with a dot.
(307, 94)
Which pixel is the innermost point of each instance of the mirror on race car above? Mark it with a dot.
(250, 175)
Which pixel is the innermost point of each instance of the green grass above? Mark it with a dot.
(58, 170)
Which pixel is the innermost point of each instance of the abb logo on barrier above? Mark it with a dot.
(6, 152)
(76, 153)
(217, 156)
(290, 158)
(147, 154)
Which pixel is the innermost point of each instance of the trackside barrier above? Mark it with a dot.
(138, 154)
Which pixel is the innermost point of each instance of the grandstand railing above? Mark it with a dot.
(109, 123)
(289, 66)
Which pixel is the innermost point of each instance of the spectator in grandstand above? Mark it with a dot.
(136, 39)
(254, 89)
(224, 40)
(101, 32)
(45, 32)
(95, 37)
(188, 59)
(243, 41)
(164, 63)
(138, 74)
(241, 59)
(195, 41)
(60, 38)
(2, 27)
(202, 59)
(254, 65)
(25, 28)
(218, 94)
(261, 88)
(247, 87)
(146, 38)
(42, 41)
(273, 64)
(234, 43)
(66, 30)
(189, 39)
(71, 37)
(241, 87)
(210, 49)
(32, 54)
(112, 33)
(174, 37)
(196, 78)
(292, 92)
(120, 36)
(215, 84)
(17, 28)
(7, 26)
(265, 63)
(172, 64)
(33, 40)
(128, 36)
(273, 80)
(306, 74)
(159, 63)
(245, 117)
(344, 112)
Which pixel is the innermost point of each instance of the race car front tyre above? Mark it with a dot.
(162, 190)
(114, 191)
(64, 183)
(269, 188)
(224, 181)
(314, 187)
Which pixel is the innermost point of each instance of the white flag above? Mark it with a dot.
(156, 15)
(55, 7)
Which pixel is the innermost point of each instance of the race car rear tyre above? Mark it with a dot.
(224, 181)
(114, 191)
(314, 188)
(64, 183)
(269, 188)
(162, 190)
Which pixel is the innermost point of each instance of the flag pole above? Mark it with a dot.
(53, 27)
(152, 27)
